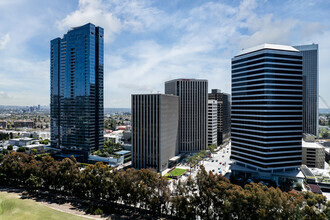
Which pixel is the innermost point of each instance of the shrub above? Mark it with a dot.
(94, 210)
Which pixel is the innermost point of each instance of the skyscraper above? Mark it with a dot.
(266, 117)
(193, 112)
(212, 125)
(310, 88)
(76, 70)
(223, 115)
(155, 121)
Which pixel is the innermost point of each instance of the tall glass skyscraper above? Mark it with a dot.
(76, 71)
(266, 116)
(310, 88)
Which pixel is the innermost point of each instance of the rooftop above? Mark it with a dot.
(187, 80)
(267, 46)
(122, 152)
(313, 145)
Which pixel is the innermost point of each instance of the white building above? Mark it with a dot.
(313, 154)
(212, 122)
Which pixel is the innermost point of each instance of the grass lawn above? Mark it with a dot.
(176, 172)
(12, 207)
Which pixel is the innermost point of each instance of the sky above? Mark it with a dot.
(148, 42)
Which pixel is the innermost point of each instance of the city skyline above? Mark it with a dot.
(143, 49)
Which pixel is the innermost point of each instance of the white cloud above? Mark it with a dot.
(92, 11)
(266, 29)
(4, 40)
(148, 42)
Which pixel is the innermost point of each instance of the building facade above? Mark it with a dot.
(3, 124)
(224, 106)
(310, 88)
(193, 112)
(23, 124)
(76, 108)
(313, 154)
(212, 122)
(266, 115)
(155, 121)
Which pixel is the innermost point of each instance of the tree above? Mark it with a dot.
(5, 151)
(212, 148)
(34, 151)
(1, 157)
(46, 141)
(298, 186)
(324, 133)
(32, 183)
(10, 147)
(21, 150)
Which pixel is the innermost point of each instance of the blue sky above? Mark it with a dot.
(148, 42)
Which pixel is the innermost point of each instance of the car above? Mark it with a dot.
(218, 168)
(220, 171)
(220, 163)
(212, 160)
(213, 170)
(223, 155)
(216, 161)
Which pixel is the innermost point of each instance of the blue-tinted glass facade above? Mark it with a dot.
(266, 114)
(77, 117)
(310, 88)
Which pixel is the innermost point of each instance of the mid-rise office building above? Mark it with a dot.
(313, 154)
(310, 88)
(212, 122)
(223, 109)
(266, 115)
(193, 112)
(76, 108)
(155, 122)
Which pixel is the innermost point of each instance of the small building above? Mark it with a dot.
(111, 161)
(23, 124)
(39, 147)
(21, 142)
(313, 154)
(114, 137)
(3, 124)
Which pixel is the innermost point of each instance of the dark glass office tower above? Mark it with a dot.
(310, 88)
(266, 115)
(193, 112)
(223, 114)
(76, 71)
